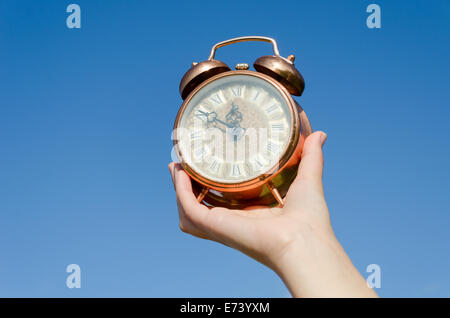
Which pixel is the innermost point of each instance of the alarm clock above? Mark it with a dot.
(239, 133)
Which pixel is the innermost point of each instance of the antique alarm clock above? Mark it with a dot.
(239, 133)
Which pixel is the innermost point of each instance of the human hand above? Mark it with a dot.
(296, 241)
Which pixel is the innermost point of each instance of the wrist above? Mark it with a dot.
(308, 247)
(316, 265)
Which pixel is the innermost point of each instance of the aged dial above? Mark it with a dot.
(234, 128)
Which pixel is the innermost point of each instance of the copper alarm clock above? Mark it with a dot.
(239, 133)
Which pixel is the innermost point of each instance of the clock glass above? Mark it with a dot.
(234, 128)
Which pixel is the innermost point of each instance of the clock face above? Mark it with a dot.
(234, 129)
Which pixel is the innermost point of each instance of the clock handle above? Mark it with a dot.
(276, 194)
(244, 39)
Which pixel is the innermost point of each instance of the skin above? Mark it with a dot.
(297, 241)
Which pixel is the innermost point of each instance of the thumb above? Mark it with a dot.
(311, 164)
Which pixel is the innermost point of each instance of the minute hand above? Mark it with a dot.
(224, 123)
(213, 118)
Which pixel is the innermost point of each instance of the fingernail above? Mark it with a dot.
(323, 138)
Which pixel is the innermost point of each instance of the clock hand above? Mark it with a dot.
(234, 116)
(224, 123)
(212, 117)
(236, 129)
(202, 113)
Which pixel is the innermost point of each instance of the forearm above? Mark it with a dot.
(319, 267)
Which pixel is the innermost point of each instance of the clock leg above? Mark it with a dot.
(202, 194)
(276, 194)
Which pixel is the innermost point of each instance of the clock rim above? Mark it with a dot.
(268, 174)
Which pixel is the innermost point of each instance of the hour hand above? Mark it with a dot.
(208, 116)
(211, 119)
(234, 129)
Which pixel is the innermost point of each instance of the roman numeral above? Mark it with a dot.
(257, 165)
(271, 108)
(256, 95)
(216, 98)
(237, 91)
(277, 127)
(199, 152)
(235, 170)
(272, 148)
(197, 134)
(258, 162)
(215, 166)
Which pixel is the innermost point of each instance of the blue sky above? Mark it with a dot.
(86, 117)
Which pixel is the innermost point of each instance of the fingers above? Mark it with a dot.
(199, 215)
(171, 170)
(200, 221)
(311, 164)
(306, 192)
(217, 224)
(185, 224)
(186, 196)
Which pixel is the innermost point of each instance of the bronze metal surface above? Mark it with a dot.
(244, 39)
(282, 70)
(255, 191)
(198, 73)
